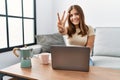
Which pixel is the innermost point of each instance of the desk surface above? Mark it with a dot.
(45, 72)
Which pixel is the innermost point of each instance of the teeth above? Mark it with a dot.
(75, 20)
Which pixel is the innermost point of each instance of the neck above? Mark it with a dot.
(76, 26)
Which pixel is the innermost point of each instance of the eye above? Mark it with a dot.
(71, 15)
(76, 13)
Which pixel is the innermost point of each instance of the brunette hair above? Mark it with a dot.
(82, 26)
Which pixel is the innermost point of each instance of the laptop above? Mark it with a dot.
(70, 58)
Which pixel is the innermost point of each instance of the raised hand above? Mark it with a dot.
(61, 23)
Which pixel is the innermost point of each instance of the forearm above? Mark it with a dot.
(90, 42)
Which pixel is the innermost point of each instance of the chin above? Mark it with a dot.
(76, 24)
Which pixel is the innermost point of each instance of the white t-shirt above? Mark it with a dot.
(78, 40)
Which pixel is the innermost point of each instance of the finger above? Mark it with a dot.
(58, 17)
(59, 26)
(63, 16)
(61, 30)
(66, 18)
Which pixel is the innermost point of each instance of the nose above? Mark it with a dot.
(74, 16)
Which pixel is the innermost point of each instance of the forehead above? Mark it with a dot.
(73, 11)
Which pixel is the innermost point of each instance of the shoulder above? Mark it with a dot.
(90, 27)
(91, 30)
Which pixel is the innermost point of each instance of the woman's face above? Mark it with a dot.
(74, 17)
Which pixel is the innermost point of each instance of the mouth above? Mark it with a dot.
(75, 22)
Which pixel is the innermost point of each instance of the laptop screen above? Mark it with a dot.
(70, 58)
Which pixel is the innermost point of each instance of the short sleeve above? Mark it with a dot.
(91, 31)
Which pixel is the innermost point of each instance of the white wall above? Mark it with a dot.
(103, 13)
(98, 13)
(44, 16)
(7, 59)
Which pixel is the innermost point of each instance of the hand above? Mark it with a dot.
(61, 23)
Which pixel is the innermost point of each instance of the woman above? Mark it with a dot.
(78, 32)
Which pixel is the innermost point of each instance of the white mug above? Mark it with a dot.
(45, 58)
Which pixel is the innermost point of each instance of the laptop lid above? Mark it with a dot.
(70, 58)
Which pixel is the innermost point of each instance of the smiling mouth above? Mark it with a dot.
(76, 22)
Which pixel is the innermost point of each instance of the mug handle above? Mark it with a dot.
(14, 51)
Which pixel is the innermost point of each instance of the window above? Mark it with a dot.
(17, 23)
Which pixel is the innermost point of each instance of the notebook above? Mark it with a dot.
(70, 58)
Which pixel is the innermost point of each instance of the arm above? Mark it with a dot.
(90, 42)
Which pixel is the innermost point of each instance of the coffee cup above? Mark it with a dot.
(44, 58)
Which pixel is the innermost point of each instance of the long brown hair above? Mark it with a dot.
(82, 26)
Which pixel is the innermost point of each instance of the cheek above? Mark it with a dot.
(78, 17)
(71, 19)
